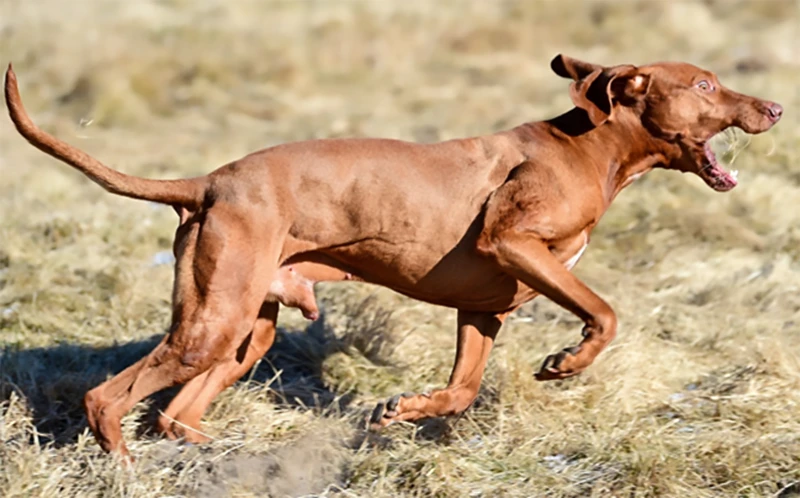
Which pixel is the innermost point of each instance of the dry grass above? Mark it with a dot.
(698, 396)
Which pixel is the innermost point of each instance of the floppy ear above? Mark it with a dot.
(573, 69)
(598, 92)
(629, 87)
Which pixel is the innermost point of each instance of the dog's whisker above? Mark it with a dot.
(773, 147)
(738, 147)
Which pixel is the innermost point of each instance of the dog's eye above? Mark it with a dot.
(705, 86)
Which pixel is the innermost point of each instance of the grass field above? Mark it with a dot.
(699, 395)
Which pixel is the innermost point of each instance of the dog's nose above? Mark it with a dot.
(775, 111)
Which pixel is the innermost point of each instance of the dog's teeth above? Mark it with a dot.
(735, 174)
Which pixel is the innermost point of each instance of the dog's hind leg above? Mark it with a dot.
(222, 276)
(182, 417)
(292, 286)
(476, 334)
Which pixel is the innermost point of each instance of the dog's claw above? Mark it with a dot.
(391, 405)
(386, 410)
(550, 367)
(377, 415)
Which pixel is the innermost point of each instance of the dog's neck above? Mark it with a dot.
(620, 149)
(626, 152)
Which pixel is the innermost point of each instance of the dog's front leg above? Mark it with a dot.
(476, 333)
(530, 261)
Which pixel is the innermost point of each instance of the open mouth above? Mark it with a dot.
(715, 175)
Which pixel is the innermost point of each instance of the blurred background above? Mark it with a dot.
(699, 395)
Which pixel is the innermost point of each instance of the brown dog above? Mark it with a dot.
(482, 224)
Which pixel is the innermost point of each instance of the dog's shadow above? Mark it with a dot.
(52, 381)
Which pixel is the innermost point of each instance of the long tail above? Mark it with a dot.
(187, 193)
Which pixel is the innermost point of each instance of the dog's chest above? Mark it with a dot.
(582, 243)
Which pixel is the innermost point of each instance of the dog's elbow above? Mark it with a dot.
(486, 245)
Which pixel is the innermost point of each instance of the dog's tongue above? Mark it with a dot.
(715, 175)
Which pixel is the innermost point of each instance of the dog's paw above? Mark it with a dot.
(559, 365)
(384, 413)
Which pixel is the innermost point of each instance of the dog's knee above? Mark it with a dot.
(196, 360)
(197, 349)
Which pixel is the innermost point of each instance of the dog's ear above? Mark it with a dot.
(629, 86)
(591, 94)
(598, 92)
(573, 69)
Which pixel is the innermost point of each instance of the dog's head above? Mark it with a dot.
(678, 104)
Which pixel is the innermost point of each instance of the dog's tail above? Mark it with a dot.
(187, 193)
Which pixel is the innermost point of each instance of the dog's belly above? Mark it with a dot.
(468, 283)
(458, 278)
